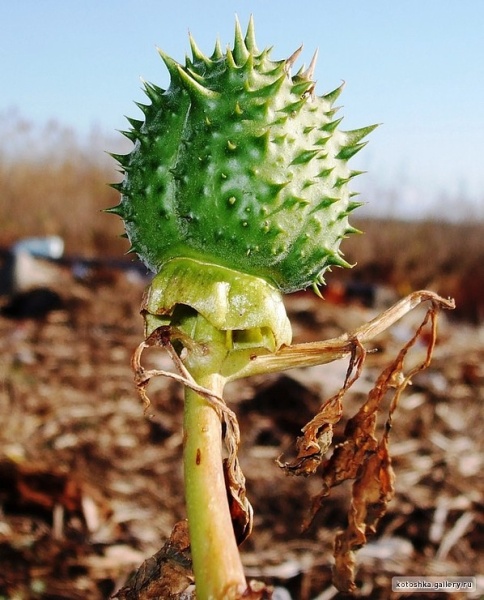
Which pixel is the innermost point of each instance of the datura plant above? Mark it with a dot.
(237, 190)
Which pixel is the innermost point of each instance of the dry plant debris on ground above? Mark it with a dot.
(90, 487)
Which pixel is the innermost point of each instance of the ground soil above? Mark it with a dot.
(91, 486)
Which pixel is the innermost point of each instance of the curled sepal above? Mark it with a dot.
(248, 308)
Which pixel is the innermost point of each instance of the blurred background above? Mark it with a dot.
(89, 486)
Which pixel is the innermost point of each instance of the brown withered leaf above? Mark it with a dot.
(361, 456)
(318, 433)
(372, 491)
(240, 508)
(374, 485)
(166, 574)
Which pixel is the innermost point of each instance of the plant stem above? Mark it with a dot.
(216, 561)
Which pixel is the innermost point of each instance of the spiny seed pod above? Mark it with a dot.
(240, 164)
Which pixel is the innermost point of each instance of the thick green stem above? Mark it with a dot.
(216, 560)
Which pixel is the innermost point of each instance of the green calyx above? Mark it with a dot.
(240, 164)
(248, 309)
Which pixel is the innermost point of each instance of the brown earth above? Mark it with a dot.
(90, 486)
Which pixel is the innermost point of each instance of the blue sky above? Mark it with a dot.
(416, 66)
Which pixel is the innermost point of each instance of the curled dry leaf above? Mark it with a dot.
(318, 433)
(360, 456)
(372, 491)
(167, 574)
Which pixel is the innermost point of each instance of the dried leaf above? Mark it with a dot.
(318, 433)
(374, 485)
(167, 574)
(372, 491)
(361, 456)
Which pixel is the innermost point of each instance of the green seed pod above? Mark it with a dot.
(240, 164)
(236, 190)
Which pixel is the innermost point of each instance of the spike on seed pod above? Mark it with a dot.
(237, 110)
(325, 173)
(324, 203)
(250, 42)
(270, 90)
(194, 75)
(118, 209)
(331, 125)
(152, 91)
(230, 59)
(170, 64)
(217, 53)
(136, 124)
(351, 230)
(355, 135)
(305, 156)
(308, 74)
(301, 88)
(347, 152)
(241, 52)
(131, 134)
(353, 205)
(122, 159)
(193, 87)
(289, 62)
(197, 54)
(294, 107)
(331, 97)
